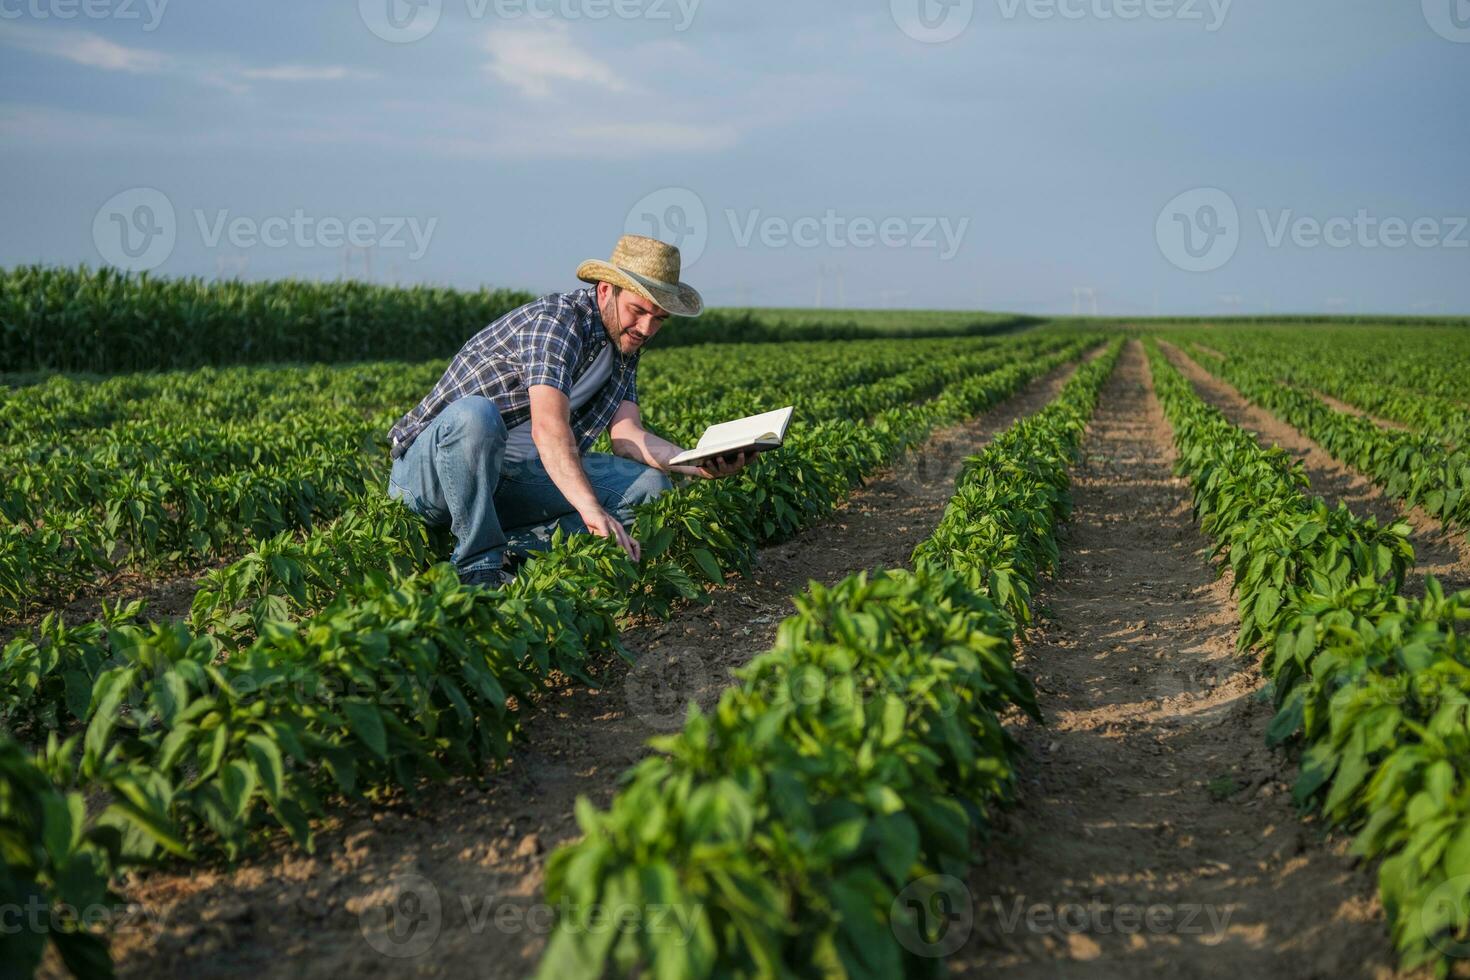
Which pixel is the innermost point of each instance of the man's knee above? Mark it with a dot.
(647, 485)
(474, 420)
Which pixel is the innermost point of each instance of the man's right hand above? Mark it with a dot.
(604, 525)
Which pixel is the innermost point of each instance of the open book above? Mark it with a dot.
(764, 431)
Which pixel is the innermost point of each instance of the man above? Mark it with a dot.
(498, 450)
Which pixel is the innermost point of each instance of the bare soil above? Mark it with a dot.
(1337, 405)
(463, 863)
(1154, 836)
(168, 597)
(1440, 552)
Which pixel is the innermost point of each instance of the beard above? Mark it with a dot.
(614, 326)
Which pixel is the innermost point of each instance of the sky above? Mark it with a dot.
(1040, 156)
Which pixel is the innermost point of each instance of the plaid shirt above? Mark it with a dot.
(552, 341)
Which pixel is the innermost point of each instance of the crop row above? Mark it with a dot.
(853, 760)
(1372, 685)
(50, 473)
(1416, 360)
(397, 679)
(1376, 378)
(1413, 467)
(284, 578)
(61, 411)
(169, 513)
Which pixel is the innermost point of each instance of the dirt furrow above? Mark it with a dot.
(466, 861)
(1440, 552)
(1154, 836)
(1338, 405)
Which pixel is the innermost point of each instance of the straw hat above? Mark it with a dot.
(651, 269)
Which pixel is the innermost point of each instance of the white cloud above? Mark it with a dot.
(92, 51)
(302, 73)
(534, 59)
(82, 48)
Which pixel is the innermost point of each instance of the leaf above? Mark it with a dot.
(266, 755)
(366, 722)
(237, 782)
(707, 565)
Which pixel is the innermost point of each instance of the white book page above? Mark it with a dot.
(747, 430)
(768, 428)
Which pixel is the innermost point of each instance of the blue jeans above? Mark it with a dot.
(455, 473)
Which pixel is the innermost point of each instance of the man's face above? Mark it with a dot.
(630, 319)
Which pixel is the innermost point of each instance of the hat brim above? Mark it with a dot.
(680, 299)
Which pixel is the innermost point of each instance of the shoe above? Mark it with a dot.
(490, 578)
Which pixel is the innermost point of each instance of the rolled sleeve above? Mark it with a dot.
(548, 353)
(630, 392)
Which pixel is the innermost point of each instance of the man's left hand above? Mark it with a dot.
(719, 467)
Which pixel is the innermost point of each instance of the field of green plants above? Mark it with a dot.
(326, 654)
(327, 658)
(103, 321)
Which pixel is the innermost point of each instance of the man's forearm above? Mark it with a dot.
(563, 462)
(644, 447)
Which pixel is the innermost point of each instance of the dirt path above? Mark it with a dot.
(1440, 553)
(1155, 837)
(1337, 405)
(474, 850)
